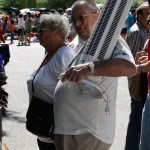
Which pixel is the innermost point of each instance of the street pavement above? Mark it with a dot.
(23, 61)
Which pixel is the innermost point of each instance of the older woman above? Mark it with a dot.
(52, 34)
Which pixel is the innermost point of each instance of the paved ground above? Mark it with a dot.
(23, 61)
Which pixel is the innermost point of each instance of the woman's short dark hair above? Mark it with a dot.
(20, 15)
(12, 21)
(29, 14)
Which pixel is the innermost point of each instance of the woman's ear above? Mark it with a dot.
(56, 33)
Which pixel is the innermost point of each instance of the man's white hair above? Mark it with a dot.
(90, 3)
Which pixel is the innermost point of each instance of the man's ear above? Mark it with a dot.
(139, 16)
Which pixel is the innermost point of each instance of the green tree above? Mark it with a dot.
(59, 3)
(135, 2)
(20, 4)
(31, 3)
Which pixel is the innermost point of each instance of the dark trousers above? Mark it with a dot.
(45, 146)
(134, 126)
(12, 36)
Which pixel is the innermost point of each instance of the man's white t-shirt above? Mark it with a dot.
(78, 111)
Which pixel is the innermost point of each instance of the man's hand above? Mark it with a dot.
(143, 59)
(140, 54)
(77, 73)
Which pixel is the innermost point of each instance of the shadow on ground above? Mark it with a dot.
(14, 116)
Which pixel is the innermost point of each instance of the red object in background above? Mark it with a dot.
(70, 38)
(32, 34)
(2, 35)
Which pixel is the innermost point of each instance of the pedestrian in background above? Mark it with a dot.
(21, 29)
(28, 28)
(2, 39)
(131, 18)
(145, 125)
(12, 28)
(136, 39)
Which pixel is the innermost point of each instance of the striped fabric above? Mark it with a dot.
(137, 37)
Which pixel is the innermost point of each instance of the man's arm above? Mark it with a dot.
(112, 68)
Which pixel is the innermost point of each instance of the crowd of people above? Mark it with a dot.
(80, 118)
(25, 25)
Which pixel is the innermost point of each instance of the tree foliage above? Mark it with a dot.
(59, 3)
(135, 2)
(20, 4)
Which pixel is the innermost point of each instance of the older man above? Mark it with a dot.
(81, 122)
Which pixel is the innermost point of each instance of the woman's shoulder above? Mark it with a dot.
(66, 51)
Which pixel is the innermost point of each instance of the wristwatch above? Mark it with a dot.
(91, 65)
(138, 69)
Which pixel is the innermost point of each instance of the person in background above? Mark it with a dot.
(5, 18)
(52, 34)
(148, 22)
(36, 22)
(131, 18)
(124, 30)
(145, 125)
(81, 120)
(28, 28)
(60, 11)
(12, 28)
(53, 11)
(136, 39)
(2, 39)
(21, 29)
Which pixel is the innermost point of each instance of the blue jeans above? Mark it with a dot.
(12, 36)
(134, 126)
(145, 126)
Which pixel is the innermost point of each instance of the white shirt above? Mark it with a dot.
(77, 44)
(47, 77)
(21, 23)
(78, 111)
